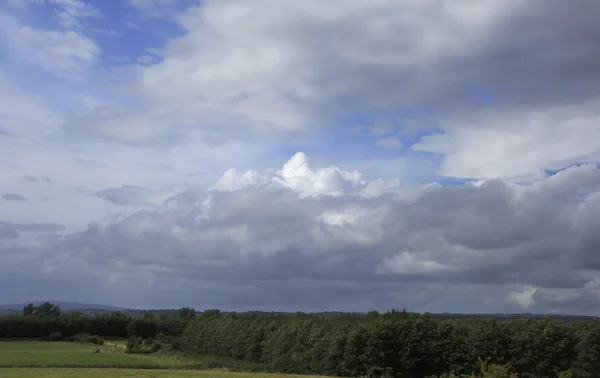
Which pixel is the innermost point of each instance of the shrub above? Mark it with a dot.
(89, 339)
(155, 347)
(176, 344)
(55, 336)
(142, 346)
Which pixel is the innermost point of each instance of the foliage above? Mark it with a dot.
(87, 338)
(391, 344)
(399, 344)
(39, 322)
(132, 373)
(46, 309)
(55, 336)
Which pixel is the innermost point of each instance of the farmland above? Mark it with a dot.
(132, 373)
(45, 354)
(62, 359)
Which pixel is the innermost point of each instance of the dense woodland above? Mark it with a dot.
(392, 344)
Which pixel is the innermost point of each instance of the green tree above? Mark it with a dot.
(29, 310)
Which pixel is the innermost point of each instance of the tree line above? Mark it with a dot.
(47, 318)
(391, 344)
(400, 344)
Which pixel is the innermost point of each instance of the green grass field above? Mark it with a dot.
(132, 373)
(33, 359)
(32, 353)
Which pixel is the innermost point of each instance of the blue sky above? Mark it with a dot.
(391, 151)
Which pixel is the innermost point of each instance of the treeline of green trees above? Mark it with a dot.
(46, 319)
(399, 344)
(392, 344)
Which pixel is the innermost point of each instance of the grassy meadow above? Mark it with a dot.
(63, 354)
(33, 359)
(132, 373)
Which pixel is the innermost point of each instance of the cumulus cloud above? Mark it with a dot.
(293, 67)
(164, 188)
(277, 237)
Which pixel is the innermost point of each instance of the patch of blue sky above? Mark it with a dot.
(120, 30)
(137, 35)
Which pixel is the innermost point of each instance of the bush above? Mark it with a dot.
(88, 339)
(137, 345)
(55, 336)
(133, 343)
(147, 341)
(155, 347)
(175, 344)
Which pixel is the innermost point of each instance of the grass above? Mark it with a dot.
(33, 359)
(45, 354)
(132, 373)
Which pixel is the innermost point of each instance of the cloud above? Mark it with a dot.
(274, 238)
(390, 142)
(163, 188)
(13, 197)
(302, 65)
(38, 227)
(8, 233)
(134, 195)
(32, 178)
(65, 54)
(72, 13)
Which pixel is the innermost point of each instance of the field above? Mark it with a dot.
(45, 354)
(132, 373)
(34, 359)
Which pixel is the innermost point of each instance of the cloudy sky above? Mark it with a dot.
(301, 155)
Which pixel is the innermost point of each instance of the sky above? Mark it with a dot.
(306, 155)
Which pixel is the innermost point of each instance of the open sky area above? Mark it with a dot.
(305, 155)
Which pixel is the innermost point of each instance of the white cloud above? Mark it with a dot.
(517, 146)
(238, 67)
(525, 298)
(72, 14)
(315, 229)
(299, 175)
(66, 54)
(167, 160)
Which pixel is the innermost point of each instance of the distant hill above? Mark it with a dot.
(64, 306)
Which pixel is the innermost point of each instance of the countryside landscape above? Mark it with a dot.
(300, 188)
(42, 341)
